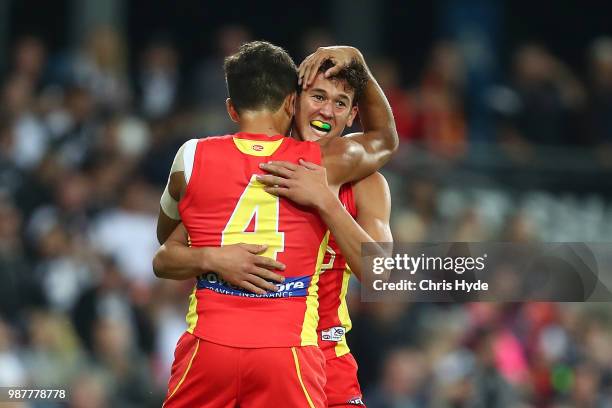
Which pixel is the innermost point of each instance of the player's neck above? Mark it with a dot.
(261, 123)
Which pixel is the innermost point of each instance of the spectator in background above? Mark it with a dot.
(600, 97)
(127, 233)
(11, 177)
(57, 231)
(13, 373)
(418, 220)
(543, 104)
(124, 137)
(61, 271)
(29, 60)
(74, 127)
(101, 68)
(14, 267)
(109, 297)
(312, 40)
(168, 315)
(53, 356)
(37, 188)
(158, 80)
(122, 364)
(90, 390)
(382, 326)
(469, 227)
(209, 80)
(404, 377)
(108, 172)
(442, 121)
(30, 138)
(388, 74)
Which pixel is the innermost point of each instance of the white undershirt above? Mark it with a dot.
(183, 161)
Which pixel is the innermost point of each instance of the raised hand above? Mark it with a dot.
(341, 55)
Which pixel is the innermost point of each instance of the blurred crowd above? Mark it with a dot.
(86, 142)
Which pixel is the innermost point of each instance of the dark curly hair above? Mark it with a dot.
(354, 75)
(259, 76)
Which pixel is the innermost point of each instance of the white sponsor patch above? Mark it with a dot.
(333, 333)
(355, 401)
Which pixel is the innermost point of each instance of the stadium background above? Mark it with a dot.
(505, 115)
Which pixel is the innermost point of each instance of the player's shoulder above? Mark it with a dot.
(213, 139)
(192, 143)
(371, 192)
(374, 182)
(210, 142)
(344, 147)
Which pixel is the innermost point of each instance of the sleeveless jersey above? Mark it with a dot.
(224, 204)
(334, 320)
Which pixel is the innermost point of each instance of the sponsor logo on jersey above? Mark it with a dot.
(333, 334)
(291, 287)
(355, 401)
(257, 148)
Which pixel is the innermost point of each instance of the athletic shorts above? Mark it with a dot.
(342, 387)
(210, 375)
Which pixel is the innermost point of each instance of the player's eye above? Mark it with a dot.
(318, 98)
(340, 104)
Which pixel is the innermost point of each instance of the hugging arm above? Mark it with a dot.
(358, 155)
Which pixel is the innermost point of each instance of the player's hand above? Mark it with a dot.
(240, 265)
(341, 55)
(304, 184)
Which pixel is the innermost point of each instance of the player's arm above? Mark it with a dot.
(358, 155)
(306, 184)
(373, 200)
(176, 260)
(169, 217)
(238, 264)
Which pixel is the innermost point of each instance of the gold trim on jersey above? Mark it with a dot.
(195, 351)
(311, 316)
(342, 347)
(257, 147)
(192, 314)
(299, 375)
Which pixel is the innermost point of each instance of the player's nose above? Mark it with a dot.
(326, 110)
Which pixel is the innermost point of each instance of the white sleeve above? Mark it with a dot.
(183, 161)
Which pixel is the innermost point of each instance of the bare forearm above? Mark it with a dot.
(358, 155)
(377, 118)
(347, 233)
(178, 262)
(165, 226)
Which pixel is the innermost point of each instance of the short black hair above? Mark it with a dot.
(259, 76)
(354, 75)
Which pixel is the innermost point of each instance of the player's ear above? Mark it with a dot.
(289, 104)
(351, 117)
(231, 110)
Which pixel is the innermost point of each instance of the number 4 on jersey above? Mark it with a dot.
(258, 208)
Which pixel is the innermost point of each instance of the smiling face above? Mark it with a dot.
(324, 109)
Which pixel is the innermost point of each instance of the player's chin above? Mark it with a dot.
(310, 135)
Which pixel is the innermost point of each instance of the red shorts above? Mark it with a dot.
(209, 375)
(342, 387)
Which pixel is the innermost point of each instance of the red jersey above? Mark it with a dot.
(224, 204)
(334, 320)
